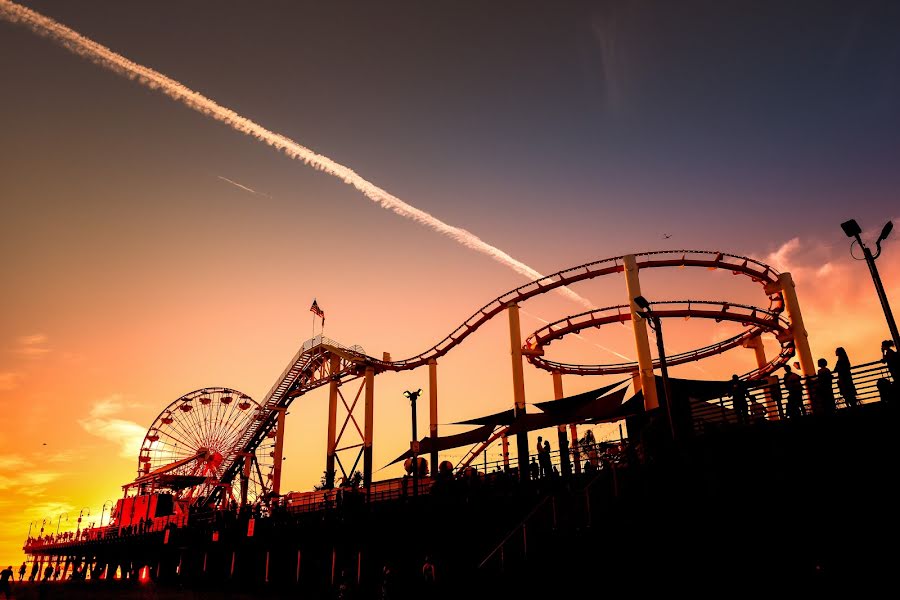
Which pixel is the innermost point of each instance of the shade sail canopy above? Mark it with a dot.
(448, 442)
(594, 406)
(501, 418)
(596, 410)
(685, 388)
(575, 402)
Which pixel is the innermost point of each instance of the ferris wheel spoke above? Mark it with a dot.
(192, 423)
(185, 446)
(234, 420)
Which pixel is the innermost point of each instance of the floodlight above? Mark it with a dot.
(885, 232)
(851, 228)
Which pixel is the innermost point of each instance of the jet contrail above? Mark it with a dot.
(243, 187)
(104, 57)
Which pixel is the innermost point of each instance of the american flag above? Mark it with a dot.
(318, 311)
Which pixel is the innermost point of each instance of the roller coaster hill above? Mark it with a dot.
(713, 481)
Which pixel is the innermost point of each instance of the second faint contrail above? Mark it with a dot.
(242, 186)
(103, 56)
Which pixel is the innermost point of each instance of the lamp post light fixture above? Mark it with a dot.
(656, 325)
(80, 513)
(852, 230)
(110, 502)
(414, 445)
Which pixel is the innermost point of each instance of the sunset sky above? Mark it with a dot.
(151, 251)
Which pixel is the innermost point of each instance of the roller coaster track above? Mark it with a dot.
(758, 320)
(311, 368)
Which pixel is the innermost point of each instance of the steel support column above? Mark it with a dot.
(279, 451)
(563, 441)
(759, 350)
(332, 422)
(576, 454)
(515, 341)
(641, 340)
(433, 424)
(245, 477)
(785, 285)
(368, 428)
(505, 441)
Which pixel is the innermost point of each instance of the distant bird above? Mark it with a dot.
(45, 443)
(666, 236)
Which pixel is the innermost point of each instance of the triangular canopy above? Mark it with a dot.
(447, 442)
(575, 402)
(686, 388)
(596, 410)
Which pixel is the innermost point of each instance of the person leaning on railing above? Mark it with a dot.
(890, 390)
(794, 388)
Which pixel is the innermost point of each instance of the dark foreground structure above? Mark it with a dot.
(803, 503)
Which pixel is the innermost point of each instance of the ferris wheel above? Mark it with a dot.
(191, 440)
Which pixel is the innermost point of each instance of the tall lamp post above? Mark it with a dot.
(60, 519)
(414, 445)
(852, 230)
(80, 513)
(656, 325)
(104, 510)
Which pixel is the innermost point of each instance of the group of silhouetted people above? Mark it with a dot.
(821, 388)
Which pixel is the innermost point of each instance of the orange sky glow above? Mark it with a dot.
(151, 252)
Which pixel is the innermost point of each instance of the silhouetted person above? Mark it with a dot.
(345, 587)
(891, 359)
(795, 393)
(845, 378)
(429, 578)
(48, 572)
(540, 454)
(739, 399)
(34, 571)
(388, 583)
(544, 459)
(22, 570)
(6, 576)
(594, 458)
(535, 469)
(825, 387)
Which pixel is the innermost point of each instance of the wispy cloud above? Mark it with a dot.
(32, 346)
(11, 461)
(243, 187)
(9, 381)
(23, 477)
(840, 307)
(49, 510)
(101, 422)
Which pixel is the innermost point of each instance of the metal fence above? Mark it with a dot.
(767, 400)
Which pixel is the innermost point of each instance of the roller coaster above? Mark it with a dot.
(209, 446)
